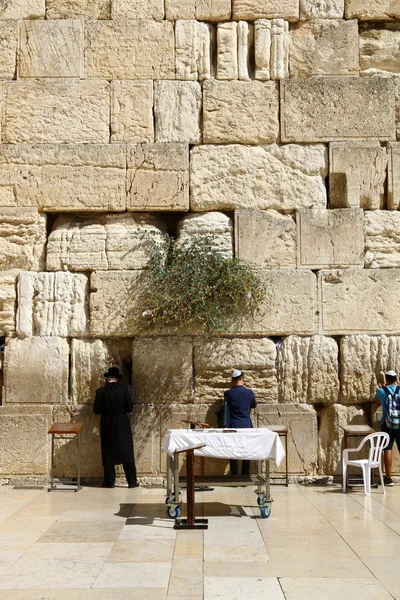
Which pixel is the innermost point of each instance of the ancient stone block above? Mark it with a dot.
(262, 48)
(215, 360)
(279, 177)
(177, 108)
(73, 9)
(158, 177)
(162, 370)
(393, 197)
(270, 9)
(357, 175)
(308, 370)
(244, 42)
(138, 9)
(240, 112)
(382, 241)
(275, 235)
(370, 10)
(330, 238)
(337, 108)
(279, 49)
(63, 177)
(202, 10)
(303, 436)
(132, 111)
(113, 242)
(115, 49)
(323, 9)
(24, 443)
(379, 51)
(193, 50)
(227, 51)
(22, 239)
(214, 225)
(90, 359)
(51, 48)
(8, 48)
(8, 296)
(59, 112)
(44, 375)
(324, 47)
(21, 9)
(358, 301)
(52, 304)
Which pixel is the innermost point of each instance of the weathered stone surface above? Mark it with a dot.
(107, 242)
(337, 108)
(177, 108)
(67, 9)
(115, 49)
(262, 49)
(393, 191)
(275, 234)
(370, 10)
(132, 111)
(357, 301)
(245, 35)
(215, 225)
(215, 360)
(21, 9)
(8, 296)
(63, 177)
(36, 370)
(158, 177)
(8, 48)
(227, 51)
(382, 239)
(357, 175)
(303, 435)
(202, 10)
(138, 9)
(308, 370)
(364, 361)
(379, 51)
(279, 177)
(90, 359)
(240, 112)
(323, 9)
(270, 9)
(279, 49)
(59, 112)
(193, 50)
(324, 47)
(24, 443)
(52, 304)
(330, 238)
(22, 239)
(51, 48)
(162, 370)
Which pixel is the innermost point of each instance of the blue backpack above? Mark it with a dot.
(392, 408)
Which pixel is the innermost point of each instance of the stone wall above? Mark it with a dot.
(272, 125)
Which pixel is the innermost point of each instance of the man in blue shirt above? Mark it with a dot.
(240, 400)
(381, 400)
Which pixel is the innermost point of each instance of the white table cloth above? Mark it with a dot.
(242, 444)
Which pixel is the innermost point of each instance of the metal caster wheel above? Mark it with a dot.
(173, 512)
(169, 499)
(261, 500)
(265, 512)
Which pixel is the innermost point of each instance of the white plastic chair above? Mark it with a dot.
(378, 441)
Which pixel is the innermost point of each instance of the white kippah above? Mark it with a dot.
(236, 373)
(391, 373)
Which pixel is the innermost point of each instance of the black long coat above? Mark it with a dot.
(113, 402)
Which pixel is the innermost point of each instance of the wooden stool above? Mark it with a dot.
(191, 522)
(199, 425)
(356, 431)
(65, 431)
(282, 431)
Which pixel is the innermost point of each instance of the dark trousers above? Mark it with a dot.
(245, 467)
(130, 473)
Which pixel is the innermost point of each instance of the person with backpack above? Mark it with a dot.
(388, 397)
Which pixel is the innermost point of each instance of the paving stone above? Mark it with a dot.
(269, 9)
(73, 9)
(22, 239)
(382, 241)
(177, 108)
(323, 9)
(8, 297)
(132, 111)
(213, 225)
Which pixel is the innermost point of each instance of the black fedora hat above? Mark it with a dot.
(113, 372)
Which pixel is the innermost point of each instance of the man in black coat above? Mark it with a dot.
(113, 402)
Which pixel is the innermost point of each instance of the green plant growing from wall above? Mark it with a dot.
(192, 285)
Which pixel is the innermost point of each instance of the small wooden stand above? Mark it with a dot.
(190, 522)
(282, 431)
(65, 431)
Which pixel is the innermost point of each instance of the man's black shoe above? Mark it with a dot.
(388, 481)
(133, 485)
(107, 485)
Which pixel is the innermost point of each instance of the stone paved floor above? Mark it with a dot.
(117, 544)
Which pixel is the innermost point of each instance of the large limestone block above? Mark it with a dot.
(382, 239)
(393, 192)
(379, 51)
(202, 10)
(52, 304)
(132, 111)
(51, 48)
(138, 9)
(8, 48)
(227, 51)
(301, 421)
(193, 50)
(262, 49)
(22, 9)
(63, 177)
(372, 10)
(324, 47)
(245, 40)
(113, 242)
(330, 238)
(74, 9)
(358, 301)
(22, 239)
(24, 442)
(214, 225)
(177, 109)
(240, 112)
(275, 234)
(321, 109)
(129, 49)
(90, 359)
(279, 49)
(270, 9)
(215, 360)
(308, 370)
(8, 296)
(158, 177)
(36, 370)
(322, 9)
(280, 177)
(357, 175)
(58, 112)
(162, 370)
